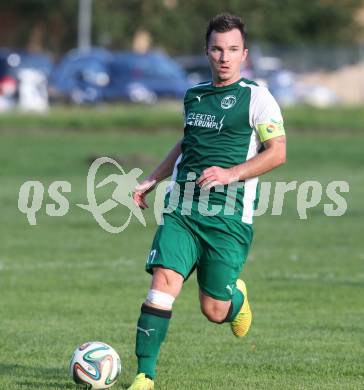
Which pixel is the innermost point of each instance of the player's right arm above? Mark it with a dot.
(163, 170)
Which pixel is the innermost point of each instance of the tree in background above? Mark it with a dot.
(176, 25)
(38, 25)
(179, 26)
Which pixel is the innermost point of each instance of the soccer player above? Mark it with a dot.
(233, 133)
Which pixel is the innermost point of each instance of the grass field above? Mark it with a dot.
(66, 281)
(168, 115)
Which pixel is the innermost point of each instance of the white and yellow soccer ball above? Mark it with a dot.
(95, 365)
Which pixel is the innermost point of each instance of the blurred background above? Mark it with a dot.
(143, 51)
(80, 79)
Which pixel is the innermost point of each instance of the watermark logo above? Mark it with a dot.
(31, 194)
(122, 194)
(308, 196)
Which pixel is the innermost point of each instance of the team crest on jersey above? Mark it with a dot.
(228, 102)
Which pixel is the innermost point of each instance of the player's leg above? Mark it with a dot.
(223, 296)
(236, 311)
(171, 260)
(219, 311)
(153, 324)
(154, 319)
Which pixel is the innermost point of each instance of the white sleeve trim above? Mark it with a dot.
(174, 174)
(263, 107)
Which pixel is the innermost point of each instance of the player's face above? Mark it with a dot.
(226, 53)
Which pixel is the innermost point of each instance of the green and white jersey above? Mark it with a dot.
(225, 126)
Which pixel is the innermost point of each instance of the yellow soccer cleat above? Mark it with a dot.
(142, 383)
(241, 323)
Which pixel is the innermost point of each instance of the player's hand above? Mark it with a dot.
(215, 176)
(141, 190)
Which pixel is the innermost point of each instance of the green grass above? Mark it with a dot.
(66, 281)
(168, 115)
(101, 117)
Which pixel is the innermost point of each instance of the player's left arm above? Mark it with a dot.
(272, 157)
(267, 121)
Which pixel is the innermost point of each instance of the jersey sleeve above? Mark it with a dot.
(265, 114)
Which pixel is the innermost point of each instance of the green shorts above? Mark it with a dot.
(216, 246)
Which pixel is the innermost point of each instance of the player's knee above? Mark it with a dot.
(167, 281)
(214, 314)
(161, 278)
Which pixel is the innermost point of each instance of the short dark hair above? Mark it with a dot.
(223, 23)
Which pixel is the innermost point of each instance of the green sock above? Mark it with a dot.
(237, 301)
(151, 332)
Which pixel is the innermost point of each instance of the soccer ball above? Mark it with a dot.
(95, 365)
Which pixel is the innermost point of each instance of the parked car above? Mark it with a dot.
(269, 71)
(145, 77)
(81, 77)
(101, 75)
(198, 68)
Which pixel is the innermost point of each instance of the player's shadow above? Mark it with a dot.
(30, 377)
(35, 377)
